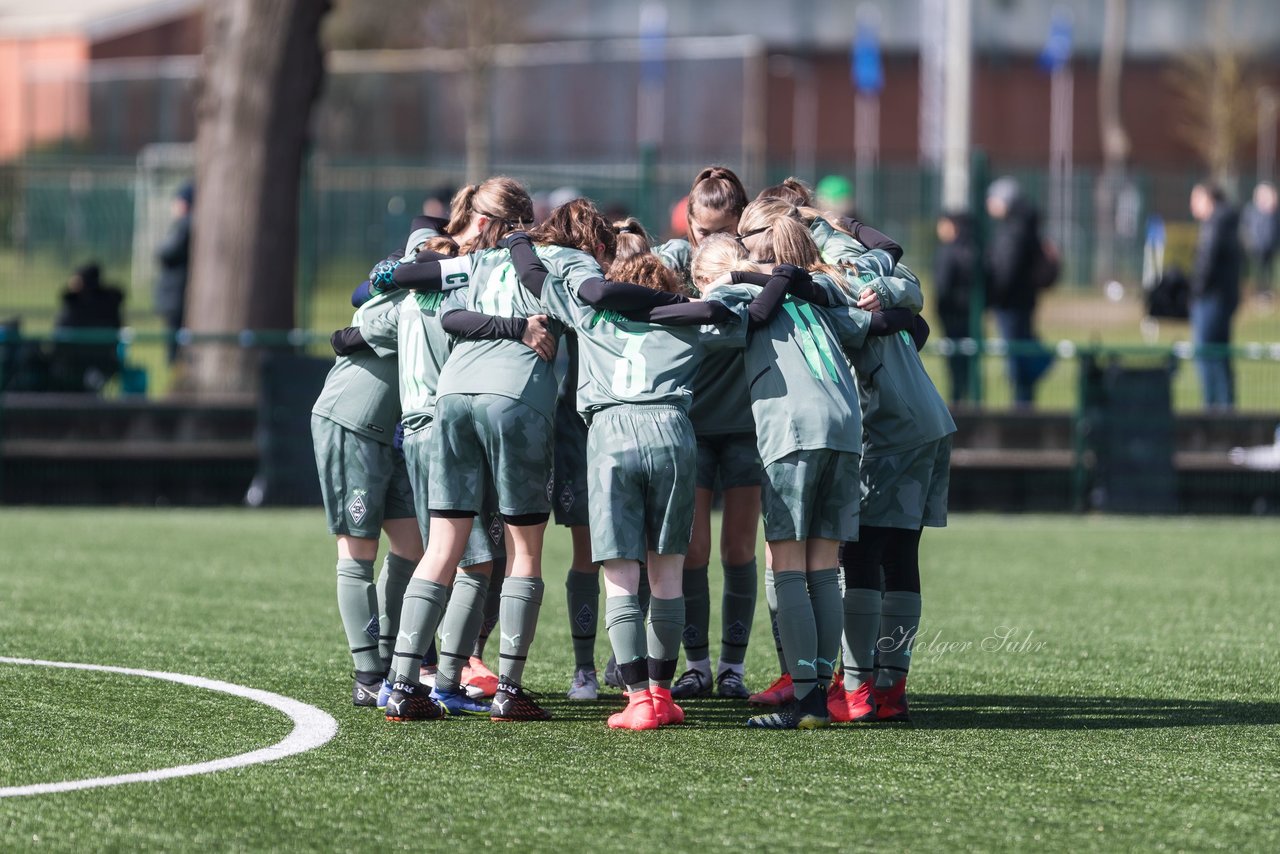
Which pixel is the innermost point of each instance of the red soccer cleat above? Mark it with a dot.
(639, 713)
(891, 702)
(777, 694)
(837, 703)
(478, 680)
(665, 707)
(859, 704)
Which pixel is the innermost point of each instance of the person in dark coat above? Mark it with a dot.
(174, 256)
(1215, 291)
(953, 268)
(1260, 228)
(87, 304)
(1013, 256)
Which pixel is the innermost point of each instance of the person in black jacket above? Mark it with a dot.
(1215, 291)
(953, 267)
(77, 364)
(174, 255)
(1015, 252)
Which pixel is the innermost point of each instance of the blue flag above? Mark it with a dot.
(866, 69)
(1057, 48)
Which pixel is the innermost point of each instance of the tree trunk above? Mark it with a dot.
(262, 70)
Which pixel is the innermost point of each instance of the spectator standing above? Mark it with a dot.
(953, 267)
(174, 256)
(1018, 267)
(1215, 291)
(1261, 232)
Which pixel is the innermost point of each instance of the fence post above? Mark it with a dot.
(978, 293)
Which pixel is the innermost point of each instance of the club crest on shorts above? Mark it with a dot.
(551, 484)
(358, 509)
(566, 498)
(495, 529)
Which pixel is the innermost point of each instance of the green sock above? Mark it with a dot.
(358, 607)
(666, 621)
(737, 608)
(899, 622)
(396, 572)
(424, 604)
(624, 621)
(492, 606)
(828, 619)
(459, 628)
(861, 631)
(583, 590)
(771, 599)
(796, 626)
(697, 616)
(521, 602)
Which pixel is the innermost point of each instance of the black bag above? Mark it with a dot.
(1170, 297)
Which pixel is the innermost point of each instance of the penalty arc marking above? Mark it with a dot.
(311, 729)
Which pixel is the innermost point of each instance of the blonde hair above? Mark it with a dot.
(504, 201)
(717, 255)
(647, 270)
(632, 238)
(788, 236)
(716, 188)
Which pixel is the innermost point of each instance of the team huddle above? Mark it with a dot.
(771, 358)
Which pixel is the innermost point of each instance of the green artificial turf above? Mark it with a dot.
(1133, 703)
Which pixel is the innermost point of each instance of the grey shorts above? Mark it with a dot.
(362, 481)
(811, 495)
(729, 460)
(486, 542)
(908, 490)
(569, 488)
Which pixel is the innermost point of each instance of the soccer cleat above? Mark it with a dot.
(427, 675)
(860, 703)
(384, 693)
(807, 713)
(478, 680)
(612, 675)
(585, 686)
(837, 703)
(729, 685)
(781, 691)
(692, 683)
(409, 702)
(364, 692)
(639, 714)
(665, 707)
(513, 703)
(459, 703)
(891, 702)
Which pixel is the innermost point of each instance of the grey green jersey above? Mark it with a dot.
(630, 361)
(504, 366)
(361, 390)
(803, 395)
(415, 333)
(677, 255)
(901, 408)
(837, 247)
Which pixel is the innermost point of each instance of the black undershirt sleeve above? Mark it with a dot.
(473, 324)
(688, 313)
(624, 296)
(874, 239)
(529, 267)
(348, 341)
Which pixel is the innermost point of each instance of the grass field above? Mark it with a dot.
(1133, 704)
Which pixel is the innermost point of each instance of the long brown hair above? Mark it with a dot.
(647, 270)
(577, 225)
(716, 188)
(791, 190)
(503, 201)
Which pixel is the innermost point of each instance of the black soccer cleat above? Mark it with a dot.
(409, 702)
(365, 690)
(729, 685)
(513, 703)
(692, 683)
(808, 713)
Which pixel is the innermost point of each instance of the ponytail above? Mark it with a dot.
(716, 188)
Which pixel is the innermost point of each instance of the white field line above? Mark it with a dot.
(311, 729)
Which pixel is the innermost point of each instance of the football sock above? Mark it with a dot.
(424, 604)
(697, 614)
(521, 602)
(358, 607)
(492, 605)
(828, 619)
(771, 598)
(737, 608)
(459, 627)
(396, 572)
(583, 590)
(797, 629)
(899, 622)
(624, 622)
(861, 631)
(666, 621)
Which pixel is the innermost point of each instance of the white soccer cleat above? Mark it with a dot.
(585, 685)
